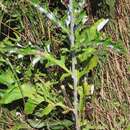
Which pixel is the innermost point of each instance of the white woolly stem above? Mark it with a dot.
(74, 62)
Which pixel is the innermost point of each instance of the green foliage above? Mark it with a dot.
(13, 93)
(54, 125)
(40, 85)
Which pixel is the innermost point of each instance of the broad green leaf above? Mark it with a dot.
(88, 35)
(87, 52)
(28, 90)
(10, 95)
(83, 91)
(52, 123)
(2, 60)
(60, 62)
(87, 89)
(90, 66)
(27, 51)
(92, 33)
(30, 105)
(7, 77)
(14, 93)
(47, 109)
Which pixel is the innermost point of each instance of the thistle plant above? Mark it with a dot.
(76, 59)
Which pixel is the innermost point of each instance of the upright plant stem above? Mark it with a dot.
(74, 62)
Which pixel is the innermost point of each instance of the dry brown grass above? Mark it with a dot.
(112, 107)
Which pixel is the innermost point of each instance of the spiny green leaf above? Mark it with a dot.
(86, 53)
(52, 123)
(60, 62)
(14, 93)
(90, 66)
(83, 91)
(87, 35)
(48, 109)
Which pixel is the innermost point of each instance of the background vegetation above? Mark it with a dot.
(36, 87)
